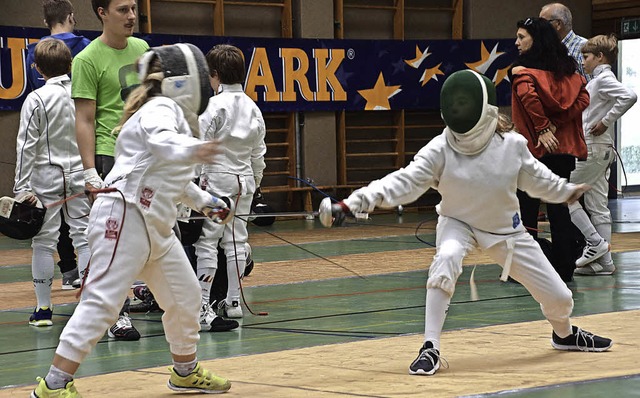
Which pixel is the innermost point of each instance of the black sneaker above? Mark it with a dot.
(581, 340)
(428, 361)
(219, 324)
(123, 329)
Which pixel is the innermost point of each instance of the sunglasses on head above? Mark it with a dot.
(528, 21)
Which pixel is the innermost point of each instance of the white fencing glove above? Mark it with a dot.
(29, 198)
(92, 178)
(331, 214)
(360, 202)
(219, 210)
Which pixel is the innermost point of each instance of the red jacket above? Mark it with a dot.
(538, 99)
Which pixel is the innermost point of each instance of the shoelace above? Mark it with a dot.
(586, 337)
(430, 354)
(124, 321)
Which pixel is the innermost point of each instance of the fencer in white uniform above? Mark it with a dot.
(234, 120)
(132, 239)
(48, 166)
(477, 164)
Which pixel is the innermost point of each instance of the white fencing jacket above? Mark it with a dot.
(610, 99)
(479, 190)
(236, 121)
(155, 163)
(47, 134)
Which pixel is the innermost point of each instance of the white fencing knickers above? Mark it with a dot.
(141, 254)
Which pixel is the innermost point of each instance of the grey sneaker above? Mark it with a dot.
(68, 279)
(596, 268)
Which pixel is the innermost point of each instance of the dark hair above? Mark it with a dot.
(228, 62)
(53, 57)
(56, 11)
(547, 51)
(95, 4)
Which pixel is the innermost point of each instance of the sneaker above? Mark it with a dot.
(143, 300)
(68, 279)
(211, 322)
(428, 361)
(123, 329)
(199, 380)
(581, 340)
(41, 317)
(596, 268)
(591, 253)
(43, 391)
(230, 311)
(77, 283)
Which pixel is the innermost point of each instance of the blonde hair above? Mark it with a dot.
(149, 88)
(605, 44)
(504, 124)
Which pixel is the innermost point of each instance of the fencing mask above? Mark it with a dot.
(468, 107)
(19, 220)
(186, 75)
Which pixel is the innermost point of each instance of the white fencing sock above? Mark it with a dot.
(42, 266)
(233, 269)
(580, 219)
(206, 271)
(435, 313)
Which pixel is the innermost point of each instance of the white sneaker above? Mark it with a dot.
(596, 268)
(592, 253)
(207, 315)
(233, 310)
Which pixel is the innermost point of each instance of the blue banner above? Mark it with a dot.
(315, 74)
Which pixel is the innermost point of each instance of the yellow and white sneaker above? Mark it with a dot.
(43, 391)
(199, 380)
(41, 317)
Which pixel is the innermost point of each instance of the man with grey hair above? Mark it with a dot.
(560, 18)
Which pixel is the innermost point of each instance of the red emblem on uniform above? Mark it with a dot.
(111, 229)
(146, 196)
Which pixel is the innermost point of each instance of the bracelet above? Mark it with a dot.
(547, 130)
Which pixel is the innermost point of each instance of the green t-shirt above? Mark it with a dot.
(101, 73)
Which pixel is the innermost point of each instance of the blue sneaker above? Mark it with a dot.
(41, 317)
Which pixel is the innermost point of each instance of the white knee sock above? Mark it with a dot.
(206, 271)
(435, 314)
(235, 267)
(84, 254)
(580, 219)
(42, 270)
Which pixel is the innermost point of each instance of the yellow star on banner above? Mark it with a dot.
(501, 74)
(431, 73)
(486, 59)
(378, 97)
(420, 56)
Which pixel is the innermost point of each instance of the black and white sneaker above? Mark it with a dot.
(581, 340)
(123, 329)
(428, 361)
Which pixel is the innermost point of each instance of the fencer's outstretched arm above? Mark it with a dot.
(539, 182)
(402, 186)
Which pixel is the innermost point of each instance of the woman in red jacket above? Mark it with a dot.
(547, 101)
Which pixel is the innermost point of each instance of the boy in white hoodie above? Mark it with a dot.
(610, 99)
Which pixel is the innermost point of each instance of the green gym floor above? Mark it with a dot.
(336, 287)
